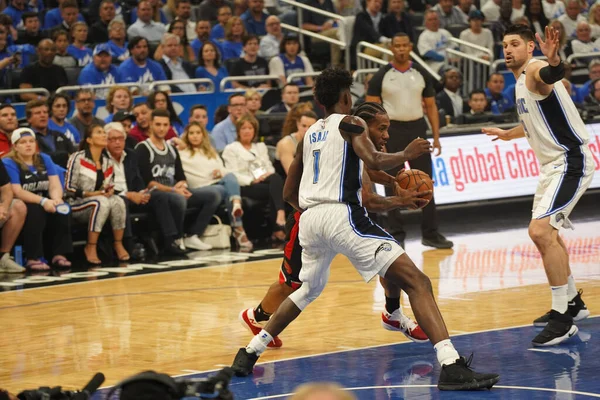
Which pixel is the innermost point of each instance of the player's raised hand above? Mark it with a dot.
(416, 148)
(550, 46)
(496, 133)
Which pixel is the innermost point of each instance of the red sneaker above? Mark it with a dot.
(397, 321)
(249, 322)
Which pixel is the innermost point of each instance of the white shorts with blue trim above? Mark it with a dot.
(561, 185)
(330, 229)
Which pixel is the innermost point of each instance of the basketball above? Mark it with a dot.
(415, 179)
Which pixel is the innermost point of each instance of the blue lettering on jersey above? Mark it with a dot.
(521, 106)
(318, 136)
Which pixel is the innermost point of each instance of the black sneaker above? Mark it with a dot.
(460, 376)
(173, 249)
(558, 329)
(577, 309)
(244, 362)
(438, 241)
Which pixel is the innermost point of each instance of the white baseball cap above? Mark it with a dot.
(19, 133)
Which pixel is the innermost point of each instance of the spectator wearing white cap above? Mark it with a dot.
(100, 71)
(12, 217)
(34, 179)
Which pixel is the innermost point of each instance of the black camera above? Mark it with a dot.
(56, 393)
(152, 385)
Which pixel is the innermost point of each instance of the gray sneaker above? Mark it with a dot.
(8, 265)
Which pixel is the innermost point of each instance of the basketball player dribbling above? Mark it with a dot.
(558, 136)
(392, 318)
(324, 184)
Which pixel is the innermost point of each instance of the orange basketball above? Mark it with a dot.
(415, 179)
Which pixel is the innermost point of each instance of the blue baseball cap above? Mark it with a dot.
(19, 133)
(476, 14)
(103, 47)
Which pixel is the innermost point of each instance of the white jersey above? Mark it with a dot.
(553, 126)
(332, 170)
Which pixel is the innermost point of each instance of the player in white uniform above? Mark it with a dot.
(324, 183)
(559, 139)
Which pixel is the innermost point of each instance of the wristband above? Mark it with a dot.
(550, 74)
(42, 201)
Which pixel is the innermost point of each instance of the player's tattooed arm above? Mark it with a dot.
(292, 182)
(381, 177)
(406, 198)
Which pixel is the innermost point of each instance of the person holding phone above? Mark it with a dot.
(34, 179)
(90, 179)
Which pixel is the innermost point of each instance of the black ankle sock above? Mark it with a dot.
(260, 314)
(392, 304)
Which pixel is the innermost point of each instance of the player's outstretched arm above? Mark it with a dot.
(355, 131)
(505, 134)
(403, 199)
(542, 76)
(381, 177)
(292, 182)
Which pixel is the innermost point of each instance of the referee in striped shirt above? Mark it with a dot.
(401, 87)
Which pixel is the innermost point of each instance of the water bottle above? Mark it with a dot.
(19, 255)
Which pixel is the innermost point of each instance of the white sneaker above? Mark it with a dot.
(179, 242)
(194, 242)
(8, 265)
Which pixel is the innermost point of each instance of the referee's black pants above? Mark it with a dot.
(401, 134)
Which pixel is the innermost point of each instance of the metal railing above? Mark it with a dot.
(96, 87)
(173, 82)
(9, 92)
(297, 75)
(578, 56)
(465, 46)
(336, 17)
(365, 61)
(224, 81)
(357, 75)
(475, 70)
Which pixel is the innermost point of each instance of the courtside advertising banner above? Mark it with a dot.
(472, 167)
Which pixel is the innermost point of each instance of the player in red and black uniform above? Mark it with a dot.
(392, 317)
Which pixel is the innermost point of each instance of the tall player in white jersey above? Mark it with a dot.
(559, 139)
(324, 184)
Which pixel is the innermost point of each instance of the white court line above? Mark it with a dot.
(279, 396)
(453, 298)
(386, 344)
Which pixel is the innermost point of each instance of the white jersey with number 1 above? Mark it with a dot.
(332, 171)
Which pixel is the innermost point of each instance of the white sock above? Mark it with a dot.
(572, 289)
(559, 298)
(446, 353)
(259, 343)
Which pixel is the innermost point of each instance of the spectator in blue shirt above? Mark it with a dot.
(60, 108)
(35, 181)
(15, 10)
(100, 72)
(225, 131)
(255, 18)
(498, 103)
(217, 32)
(54, 18)
(117, 43)
(202, 36)
(139, 68)
(69, 14)
(210, 66)
(77, 48)
(235, 31)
